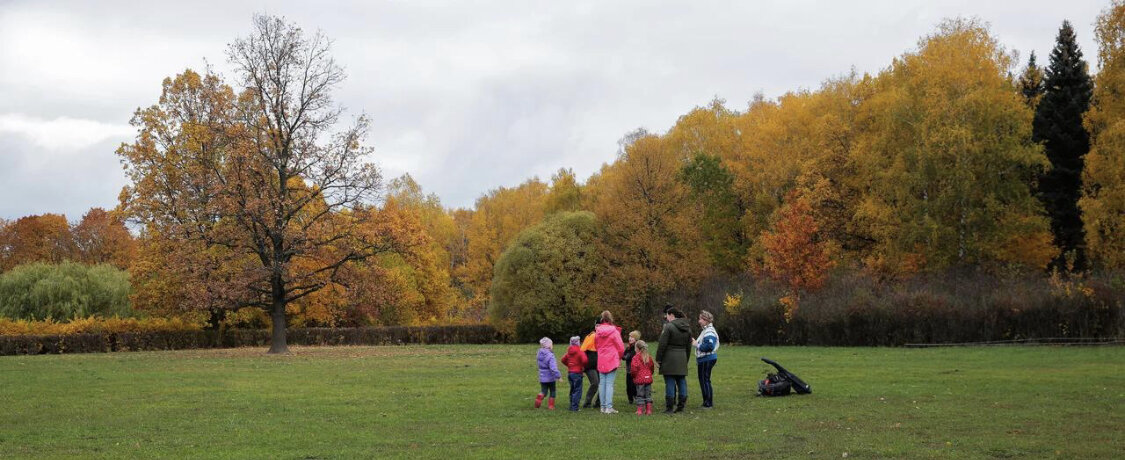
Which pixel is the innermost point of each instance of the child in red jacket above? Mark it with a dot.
(575, 362)
(642, 368)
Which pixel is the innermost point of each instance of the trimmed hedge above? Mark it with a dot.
(184, 340)
(953, 309)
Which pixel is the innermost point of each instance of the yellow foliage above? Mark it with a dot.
(94, 325)
(732, 303)
(1103, 195)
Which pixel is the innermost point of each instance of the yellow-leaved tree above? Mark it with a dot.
(1103, 195)
(947, 157)
(498, 218)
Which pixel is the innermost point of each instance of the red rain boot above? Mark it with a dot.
(648, 408)
(640, 409)
(539, 400)
(551, 403)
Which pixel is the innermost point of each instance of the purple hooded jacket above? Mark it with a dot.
(548, 369)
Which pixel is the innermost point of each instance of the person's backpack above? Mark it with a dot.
(782, 382)
(774, 385)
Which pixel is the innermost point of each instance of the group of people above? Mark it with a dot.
(599, 356)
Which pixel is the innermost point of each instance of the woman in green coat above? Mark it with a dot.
(672, 356)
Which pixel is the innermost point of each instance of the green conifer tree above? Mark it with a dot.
(1058, 126)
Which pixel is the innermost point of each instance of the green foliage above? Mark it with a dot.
(1058, 125)
(64, 291)
(542, 282)
(712, 188)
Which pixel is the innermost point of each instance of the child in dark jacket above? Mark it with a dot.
(575, 362)
(548, 373)
(630, 352)
(642, 368)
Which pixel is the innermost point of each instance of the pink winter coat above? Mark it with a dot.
(607, 339)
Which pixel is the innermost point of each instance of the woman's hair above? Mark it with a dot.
(635, 335)
(673, 311)
(545, 342)
(642, 351)
(576, 340)
(707, 316)
(607, 317)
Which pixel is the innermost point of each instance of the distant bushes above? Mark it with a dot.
(94, 325)
(64, 291)
(855, 310)
(194, 338)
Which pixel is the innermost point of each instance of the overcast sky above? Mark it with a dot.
(464, 96)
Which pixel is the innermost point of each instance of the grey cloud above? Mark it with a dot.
(35, 181)
(469, 96)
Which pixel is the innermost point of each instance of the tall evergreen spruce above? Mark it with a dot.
(1058, 125)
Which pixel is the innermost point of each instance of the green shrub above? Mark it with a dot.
(542, 282)
(64, 291)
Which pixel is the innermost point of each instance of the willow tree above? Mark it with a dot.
(266, 181)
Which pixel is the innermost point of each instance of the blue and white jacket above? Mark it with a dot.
(707, 345)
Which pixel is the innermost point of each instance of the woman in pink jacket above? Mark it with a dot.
(607, 340)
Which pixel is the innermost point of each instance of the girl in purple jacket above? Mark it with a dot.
(548, 373)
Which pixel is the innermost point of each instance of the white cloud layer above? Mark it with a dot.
(465, 96)
(63, 133)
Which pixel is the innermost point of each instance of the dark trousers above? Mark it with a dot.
(544, 387)
(575, 379)
(704, 369)
(592, 393)
(674, 384)
(630, 389)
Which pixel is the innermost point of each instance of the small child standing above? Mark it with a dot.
(575, 362)
(642, 368)
(630, 352)
(548, 373)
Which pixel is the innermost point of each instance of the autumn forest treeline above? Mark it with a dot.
(956, 161)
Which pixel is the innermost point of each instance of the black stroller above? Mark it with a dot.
(782, 382)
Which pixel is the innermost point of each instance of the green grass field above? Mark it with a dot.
(476, 401)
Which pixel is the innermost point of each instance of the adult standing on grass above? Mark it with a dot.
(706, 355)
(591, 367)
(607, 339)
(672, 358)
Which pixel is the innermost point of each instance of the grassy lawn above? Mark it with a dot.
(475, 401)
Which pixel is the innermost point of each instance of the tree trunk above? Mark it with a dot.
(277, 337)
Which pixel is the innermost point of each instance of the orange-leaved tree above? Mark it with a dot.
(217, 172)
(794, 253)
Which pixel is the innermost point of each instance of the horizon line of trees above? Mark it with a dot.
(944, 159)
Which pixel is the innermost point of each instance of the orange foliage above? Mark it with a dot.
(42, 238)
(794, 255)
